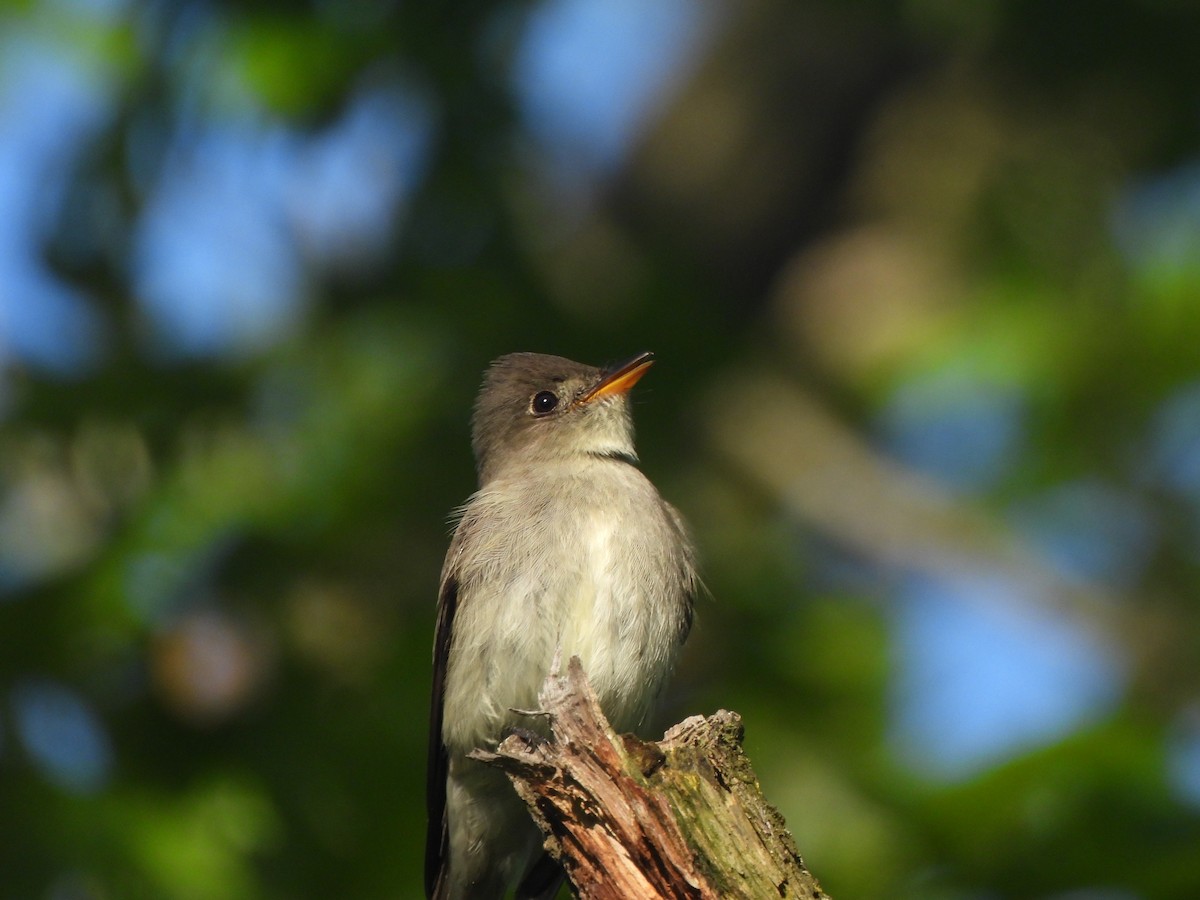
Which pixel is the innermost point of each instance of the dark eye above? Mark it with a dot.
(543, 403)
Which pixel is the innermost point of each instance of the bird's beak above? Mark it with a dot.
(620, 378)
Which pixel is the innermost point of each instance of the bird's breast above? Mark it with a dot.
(584, 567)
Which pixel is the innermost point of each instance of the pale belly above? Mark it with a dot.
(605, 591)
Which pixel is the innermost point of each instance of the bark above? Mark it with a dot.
(678, 818)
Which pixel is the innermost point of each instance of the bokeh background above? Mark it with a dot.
(924, 281)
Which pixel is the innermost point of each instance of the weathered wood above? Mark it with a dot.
(678, 818)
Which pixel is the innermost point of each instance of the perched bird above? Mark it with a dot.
(565, 548)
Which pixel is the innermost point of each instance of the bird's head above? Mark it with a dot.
(535, 409)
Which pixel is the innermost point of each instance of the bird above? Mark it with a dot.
(566, 549)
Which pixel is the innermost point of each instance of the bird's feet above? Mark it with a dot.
(532, 739)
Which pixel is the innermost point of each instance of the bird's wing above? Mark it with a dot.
(437, 837)
(689, 577)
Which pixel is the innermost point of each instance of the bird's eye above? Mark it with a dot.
(543, 403)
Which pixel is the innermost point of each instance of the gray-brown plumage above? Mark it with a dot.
(566, 547)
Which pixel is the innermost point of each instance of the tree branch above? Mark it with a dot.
(678, 818)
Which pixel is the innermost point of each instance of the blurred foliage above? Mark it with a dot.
(912, 271)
